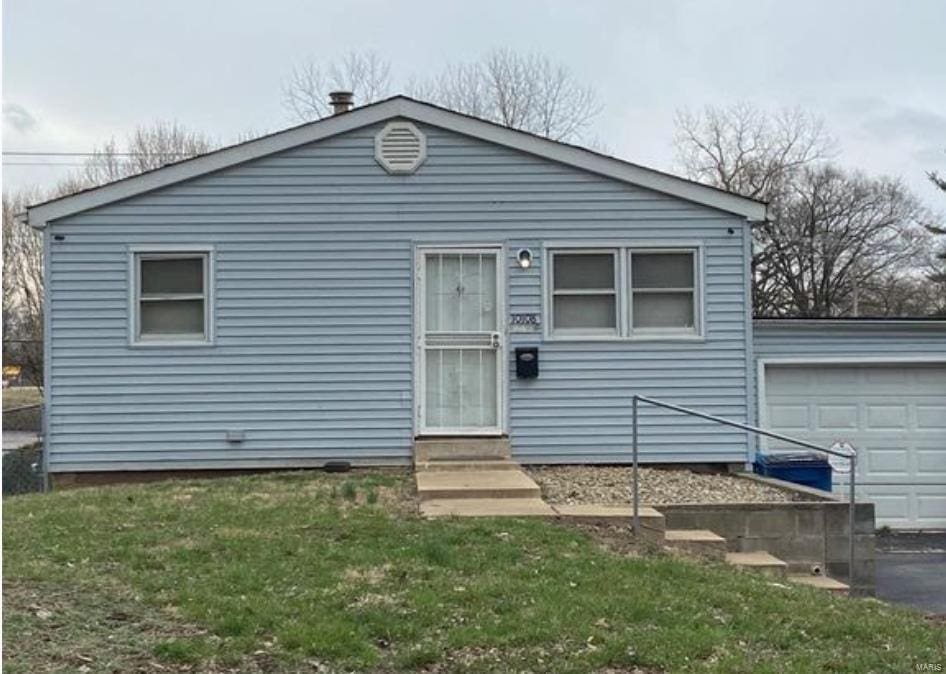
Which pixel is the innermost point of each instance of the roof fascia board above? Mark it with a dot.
(399, 107)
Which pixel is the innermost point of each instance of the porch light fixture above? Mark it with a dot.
(525, 258)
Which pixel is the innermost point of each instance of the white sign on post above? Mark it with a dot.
(841, 464)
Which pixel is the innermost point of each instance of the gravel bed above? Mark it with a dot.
(612, 485)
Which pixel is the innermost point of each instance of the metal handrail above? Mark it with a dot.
(851, 456)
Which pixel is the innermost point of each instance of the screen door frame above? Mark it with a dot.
(421, 347)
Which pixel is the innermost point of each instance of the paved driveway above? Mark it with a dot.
(911, 570)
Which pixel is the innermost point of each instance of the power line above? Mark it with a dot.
(43, 163)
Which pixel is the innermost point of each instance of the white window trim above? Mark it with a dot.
(623, 251)
(615, 291)
(696, 332)
(136, 253)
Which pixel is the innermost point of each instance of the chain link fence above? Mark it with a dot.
(23, 464)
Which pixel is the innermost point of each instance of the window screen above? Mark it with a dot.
(172, 296)
(584, 299)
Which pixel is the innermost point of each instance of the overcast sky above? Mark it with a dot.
(76, 73)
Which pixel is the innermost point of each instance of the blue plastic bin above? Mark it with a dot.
(808, 469)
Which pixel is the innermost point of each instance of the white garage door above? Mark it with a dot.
(895, 415)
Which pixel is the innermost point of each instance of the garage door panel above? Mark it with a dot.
(931, 417)
(887, 463)
(836, 417)
(892, 507)
(838, 382)
(887, 417)
(895, 415)
(930, 507)
(890, 379)
(931, 462)
(790, 417)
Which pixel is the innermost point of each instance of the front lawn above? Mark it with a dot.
(301, 570)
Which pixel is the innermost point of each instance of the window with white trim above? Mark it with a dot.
(172, 299)
(584, 292)
(663, 292)
(624, 292)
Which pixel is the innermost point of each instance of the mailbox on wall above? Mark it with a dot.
(527, 362)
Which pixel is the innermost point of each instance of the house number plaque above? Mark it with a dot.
(524, 322)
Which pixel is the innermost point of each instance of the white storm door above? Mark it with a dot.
(460, 341)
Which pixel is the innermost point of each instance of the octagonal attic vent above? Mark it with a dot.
(400, 147)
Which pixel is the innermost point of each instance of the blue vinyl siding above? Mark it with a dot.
(313, 314)
(873, 340)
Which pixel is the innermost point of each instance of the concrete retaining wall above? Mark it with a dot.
(802, 533)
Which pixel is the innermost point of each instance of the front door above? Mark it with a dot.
(459, 319)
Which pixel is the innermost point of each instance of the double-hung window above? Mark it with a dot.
(624, 292)
(584, 293)
(172, 297)
(663, 292)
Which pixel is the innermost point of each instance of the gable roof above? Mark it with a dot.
(398, 106)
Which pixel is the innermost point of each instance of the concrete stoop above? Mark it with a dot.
(461, 449)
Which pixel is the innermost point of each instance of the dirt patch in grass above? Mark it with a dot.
(612, 485)
(54, 628)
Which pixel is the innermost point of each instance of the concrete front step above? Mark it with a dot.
(820, 582)
(461, 449)
(475, 484)
(652, 522)
(486, 507)
(460, 464)
(760, 562)
(701, 542)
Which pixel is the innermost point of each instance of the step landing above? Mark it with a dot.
(702, 542)
(760, 562)
(486, 507)
(820, 582)
(652, 522)
(475, 484)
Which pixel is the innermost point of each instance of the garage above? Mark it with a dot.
(894, 413)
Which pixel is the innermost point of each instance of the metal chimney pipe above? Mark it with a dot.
(341, 101)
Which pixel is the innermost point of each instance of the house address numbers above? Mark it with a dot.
(524, 322)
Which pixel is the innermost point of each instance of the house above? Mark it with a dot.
(380, 270)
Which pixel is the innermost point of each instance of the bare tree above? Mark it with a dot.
(147, 148)
(838, 234)
(833, 237)
(744, 150)
(937, 273)
(305, 93)
(22, 288)
(522, 91)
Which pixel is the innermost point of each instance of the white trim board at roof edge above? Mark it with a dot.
(392, 108)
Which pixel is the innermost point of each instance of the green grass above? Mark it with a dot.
(281, 572)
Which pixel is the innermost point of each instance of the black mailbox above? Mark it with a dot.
(527, 362)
